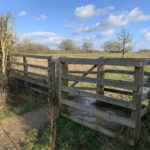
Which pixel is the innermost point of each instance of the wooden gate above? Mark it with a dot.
(108, 95)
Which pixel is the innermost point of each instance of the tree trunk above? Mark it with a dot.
(123, 50)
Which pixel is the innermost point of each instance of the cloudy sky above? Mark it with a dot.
(51, 21)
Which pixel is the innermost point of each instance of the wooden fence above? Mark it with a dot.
(39, 72)
(108, 95)
(114, 116)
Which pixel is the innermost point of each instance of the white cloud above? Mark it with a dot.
(89, 11)
(108, 32)
(146, 33)
(126, 17)
(22, 13)
(41, 17)
(114, 20)
(47, 38)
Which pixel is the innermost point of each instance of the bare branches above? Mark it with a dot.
(124, 37)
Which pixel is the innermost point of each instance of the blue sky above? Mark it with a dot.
(51, 21)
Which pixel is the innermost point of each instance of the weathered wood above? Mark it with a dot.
(64, 82)
(81, 72)
(137, 96)
(32, 81)
(85, 74)
(32, 56)
(85, 88)
(106, 115)
(83, 61)
(30, 65)
(118, 91)
(39, 91)
(100, 97)
(143, 111)
(25, 68)
(31, 73)
(107, 82)
(124, 62)
(98, 128)
(120, 71)
(49, 77)
(100, 76)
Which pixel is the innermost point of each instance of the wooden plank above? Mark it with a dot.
(118, 91)
(32, 81)
(85, 88)
(31, 73)
(38, 67)
(120, 71)
(100, 97)
(83, 61)
(98, 128)
(106, 115)
(25, 68)
(32, 56)
(39, 91)
(100, 76)
(90, 125)
(81, 72)
(137, 96)
(50, 94)
(144, 111)
(124, 62)
(85, 74)
(107, 82)
(63, 82)
(30, 65)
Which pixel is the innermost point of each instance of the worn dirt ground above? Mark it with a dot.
(13, 130)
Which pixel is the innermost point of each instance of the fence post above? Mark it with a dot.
(100, 88)
(100, 75)
(25, 68)
(49, 76)
(63, 82)
(137, 96)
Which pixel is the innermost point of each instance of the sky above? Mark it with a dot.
(50, 22)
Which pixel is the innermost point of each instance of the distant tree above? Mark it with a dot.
(87, 46)
(144, 50)
(68, 45)
(125, 38)
(114, 47)
(27, 46)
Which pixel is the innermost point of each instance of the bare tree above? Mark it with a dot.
(87, 46)
(124, 37)
(68, 45)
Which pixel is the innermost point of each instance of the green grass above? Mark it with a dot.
(72, 136)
